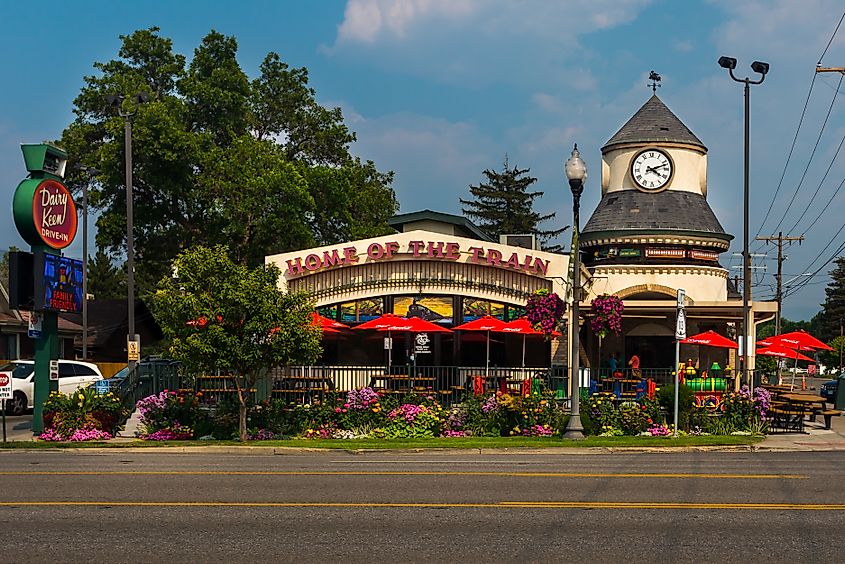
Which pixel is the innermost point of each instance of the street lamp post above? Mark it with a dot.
(117, 102)
(762, 69)
(576, 172)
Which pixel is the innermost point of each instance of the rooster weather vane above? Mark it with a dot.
(655, 78)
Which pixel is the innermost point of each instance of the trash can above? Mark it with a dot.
(840, 393)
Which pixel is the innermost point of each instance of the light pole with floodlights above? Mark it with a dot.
(116, 101)
(762, 69)
(576, 172)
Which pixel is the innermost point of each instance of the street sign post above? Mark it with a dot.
(5, 394)
(54, 370)
(680, 334)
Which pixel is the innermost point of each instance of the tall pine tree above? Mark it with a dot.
(503, 205)
(833, 308)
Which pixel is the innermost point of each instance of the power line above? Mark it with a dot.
(798, 129)
(809, 162)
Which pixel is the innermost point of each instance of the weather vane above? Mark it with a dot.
(655, 78)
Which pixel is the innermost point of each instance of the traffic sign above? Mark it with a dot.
(133, 349)
(54, 370)
(681, 326)
(5, 387)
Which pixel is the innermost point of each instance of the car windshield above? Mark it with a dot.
(19, 370)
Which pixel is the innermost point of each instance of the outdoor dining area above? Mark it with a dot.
(447, 383)
(790, 407)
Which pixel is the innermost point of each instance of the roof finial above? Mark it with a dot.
(655, 78)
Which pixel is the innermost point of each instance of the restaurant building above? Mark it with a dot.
(439, 267)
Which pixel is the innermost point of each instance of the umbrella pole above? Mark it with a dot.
(523, 352)
(487, 362)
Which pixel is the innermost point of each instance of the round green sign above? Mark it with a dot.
(45, 213)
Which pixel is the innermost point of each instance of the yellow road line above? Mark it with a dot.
(500, 505)
(406, 473)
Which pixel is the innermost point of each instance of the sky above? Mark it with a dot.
(440, 90)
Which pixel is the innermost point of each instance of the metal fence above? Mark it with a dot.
(304, 384)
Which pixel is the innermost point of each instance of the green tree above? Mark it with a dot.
(504, 205)
(833, 359)
(106, 280)
(245, 325)
(831, 317)
(218, 158)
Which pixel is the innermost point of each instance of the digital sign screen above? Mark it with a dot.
(62, 284)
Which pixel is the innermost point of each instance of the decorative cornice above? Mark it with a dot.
(655, 239)
(634, 269)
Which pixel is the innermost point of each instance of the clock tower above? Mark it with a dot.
(653, 230)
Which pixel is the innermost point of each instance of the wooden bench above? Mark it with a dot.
(829, 414)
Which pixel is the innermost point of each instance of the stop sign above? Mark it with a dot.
(4, 380)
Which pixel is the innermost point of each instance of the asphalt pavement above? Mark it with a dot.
(113, 506)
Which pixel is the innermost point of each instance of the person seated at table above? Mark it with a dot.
(613, 363)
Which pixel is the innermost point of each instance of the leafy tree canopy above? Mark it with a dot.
(220, 315)
(503, 205)
(255, 165)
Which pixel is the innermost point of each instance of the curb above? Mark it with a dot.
(292, 451)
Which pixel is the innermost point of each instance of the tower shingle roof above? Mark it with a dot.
(661, 212)
(654, 123)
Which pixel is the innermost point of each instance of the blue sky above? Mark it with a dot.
(439, 90)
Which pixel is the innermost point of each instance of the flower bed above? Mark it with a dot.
(84, 415)
(169, 415)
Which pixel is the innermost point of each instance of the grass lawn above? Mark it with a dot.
(459, 443)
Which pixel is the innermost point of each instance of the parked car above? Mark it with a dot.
(73, 374)
(828, 390)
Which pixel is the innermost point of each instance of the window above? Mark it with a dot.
(437, 309)
(66, 370)
(82, 370)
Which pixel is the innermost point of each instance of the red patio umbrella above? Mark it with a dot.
(783, 352)
(798, 340)
(710, 339)
(521, 326)
(487, 324)
(390, 323)
(326, 324)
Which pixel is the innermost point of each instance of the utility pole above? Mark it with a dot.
(780, 239)
(831, 69)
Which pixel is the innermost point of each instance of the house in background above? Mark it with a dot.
(108, 326)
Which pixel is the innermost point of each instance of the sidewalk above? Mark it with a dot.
(815, 437)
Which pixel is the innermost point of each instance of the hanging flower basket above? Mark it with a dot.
(607, 315)
(544, 311)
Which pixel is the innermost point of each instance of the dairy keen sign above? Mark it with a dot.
(45, 213)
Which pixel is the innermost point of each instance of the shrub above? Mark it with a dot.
(169, 415)
(82, 415)
(686, 403)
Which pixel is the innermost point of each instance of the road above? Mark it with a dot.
(380, 507)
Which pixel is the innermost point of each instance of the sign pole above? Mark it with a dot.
(680, 333)
(5, 395)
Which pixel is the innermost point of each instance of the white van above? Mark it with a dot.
(73, 374)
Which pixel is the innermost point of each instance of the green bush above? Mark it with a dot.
(686, 403)
(65, 413)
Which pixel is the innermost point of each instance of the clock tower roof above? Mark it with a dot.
(654, 123)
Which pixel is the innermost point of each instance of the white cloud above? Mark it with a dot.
(683, 45)
(365, 21)
(371, 21)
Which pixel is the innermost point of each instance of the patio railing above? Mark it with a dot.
(303, 384)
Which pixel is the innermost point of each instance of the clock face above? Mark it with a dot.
(651, 170)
